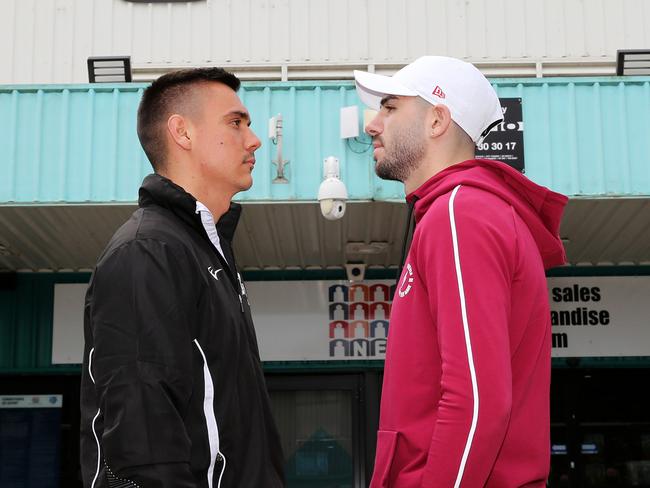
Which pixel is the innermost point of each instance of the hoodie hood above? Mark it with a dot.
(540, 208)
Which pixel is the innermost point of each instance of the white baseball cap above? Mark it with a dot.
(472, 101)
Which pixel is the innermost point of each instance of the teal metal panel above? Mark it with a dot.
(77, 143)
(586, 136)
(311, 133)
(71, 144)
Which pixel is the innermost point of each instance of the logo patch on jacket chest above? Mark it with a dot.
(214, 272)
(407, 282)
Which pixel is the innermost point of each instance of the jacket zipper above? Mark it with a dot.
(221, 254)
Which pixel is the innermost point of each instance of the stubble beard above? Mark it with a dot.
(402, 156)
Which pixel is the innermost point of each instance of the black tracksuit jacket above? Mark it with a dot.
(172, 389)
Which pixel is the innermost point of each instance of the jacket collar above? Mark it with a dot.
(161, 191)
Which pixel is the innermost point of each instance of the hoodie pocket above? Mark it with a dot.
(386, 442)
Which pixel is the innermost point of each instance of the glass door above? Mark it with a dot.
(318, 420)
(600, 431)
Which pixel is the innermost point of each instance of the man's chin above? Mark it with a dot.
(244, 185)
(379, 167)
(385, 173)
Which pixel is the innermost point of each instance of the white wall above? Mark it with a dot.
(48, 41)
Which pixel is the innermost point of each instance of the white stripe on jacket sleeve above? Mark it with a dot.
(210, 420)
(90, 372)
(468, 342)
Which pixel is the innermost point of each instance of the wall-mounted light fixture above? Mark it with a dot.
(355, 271)
(275, 134)
(109, 69)
(634, 62)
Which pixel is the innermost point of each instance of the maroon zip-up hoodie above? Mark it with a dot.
(465, 399)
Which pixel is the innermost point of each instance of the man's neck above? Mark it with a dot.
(217, 206)
(431, 167)
(216, 199)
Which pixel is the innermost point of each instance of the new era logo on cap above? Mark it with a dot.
(437, 92)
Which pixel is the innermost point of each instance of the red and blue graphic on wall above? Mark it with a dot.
(358, 320)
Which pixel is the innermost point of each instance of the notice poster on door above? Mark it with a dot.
(30, 440)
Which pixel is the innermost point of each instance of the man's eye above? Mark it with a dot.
(389, 108)
(236, 123)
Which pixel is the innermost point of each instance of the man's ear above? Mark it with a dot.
(179, 130)
(440, 120)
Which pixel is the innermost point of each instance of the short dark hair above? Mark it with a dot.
(163, 98)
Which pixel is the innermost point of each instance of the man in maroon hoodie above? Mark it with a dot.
(465, 399)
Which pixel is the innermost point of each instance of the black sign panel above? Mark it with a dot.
(506, 141)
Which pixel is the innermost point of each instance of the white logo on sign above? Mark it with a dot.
(214, 272)
(405, 286)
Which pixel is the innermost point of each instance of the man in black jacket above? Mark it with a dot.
(173, 393)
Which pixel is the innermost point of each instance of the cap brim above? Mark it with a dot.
(372, 87)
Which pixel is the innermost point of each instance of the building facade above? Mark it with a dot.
(70, 167)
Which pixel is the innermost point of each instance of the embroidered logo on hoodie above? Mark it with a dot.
(407, 281)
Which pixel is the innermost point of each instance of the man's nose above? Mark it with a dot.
(253, 143)
(374, 127)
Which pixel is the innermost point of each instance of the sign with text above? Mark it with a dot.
(30, 440)
(31, 401)
(600, 316)
(332, 320)
(506, 141)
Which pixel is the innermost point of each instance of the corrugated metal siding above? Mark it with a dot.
(49, 41)
(26, 322)
(600, 231)
(582, 137)
(71, 237)
(79, 144)
(586, 137)
(603, 231)
(57, 237)
(74, 145)
(607, 231)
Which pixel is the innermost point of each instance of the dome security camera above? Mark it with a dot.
(332, 193)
